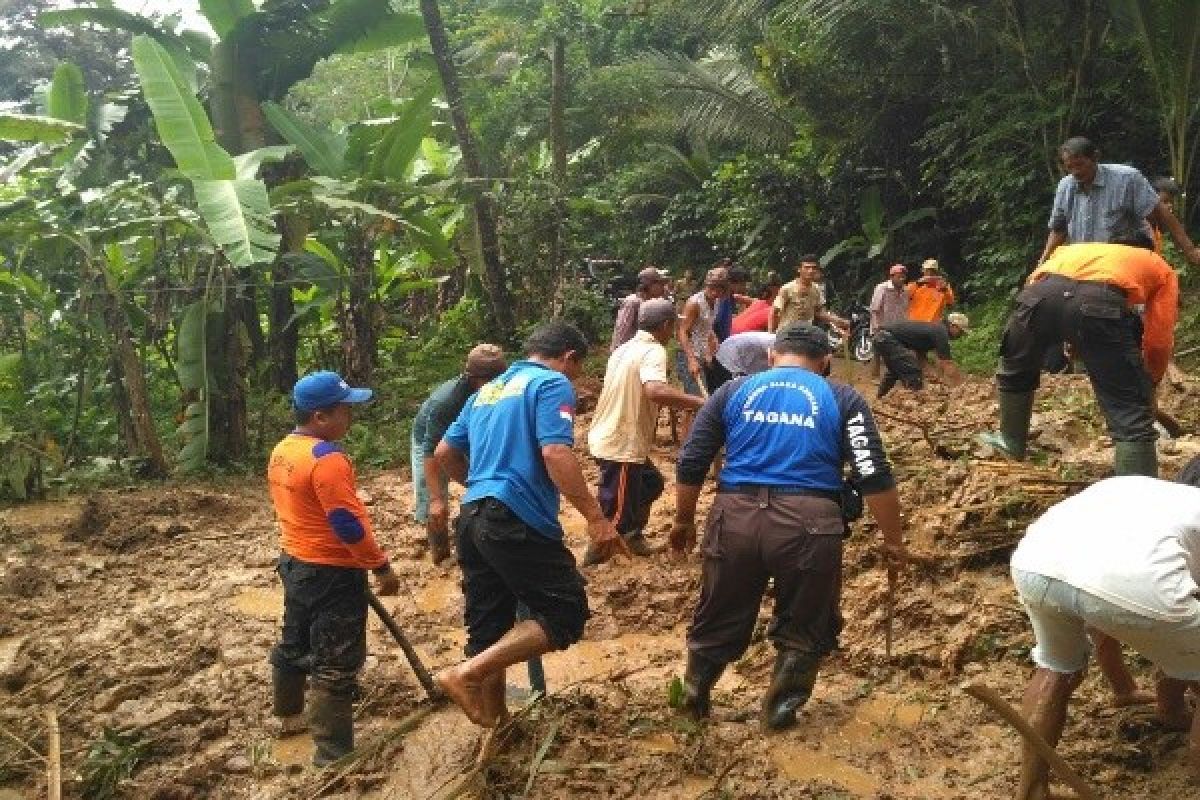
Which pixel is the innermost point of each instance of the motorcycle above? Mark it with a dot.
(861, 347)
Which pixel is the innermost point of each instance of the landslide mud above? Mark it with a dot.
(150, 612)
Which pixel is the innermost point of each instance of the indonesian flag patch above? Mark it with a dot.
(567, 413)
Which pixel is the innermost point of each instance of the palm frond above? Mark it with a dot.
(718, 99)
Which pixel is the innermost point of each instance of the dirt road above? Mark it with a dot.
(150, 612)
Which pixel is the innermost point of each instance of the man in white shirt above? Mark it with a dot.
(623, 425)
(1123, 558)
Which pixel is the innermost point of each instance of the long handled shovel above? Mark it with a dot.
(426, 680)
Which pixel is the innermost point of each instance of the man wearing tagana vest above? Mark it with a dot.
(787, 433)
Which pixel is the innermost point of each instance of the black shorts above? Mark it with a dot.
(504, 561)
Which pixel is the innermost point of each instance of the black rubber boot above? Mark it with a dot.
(1135, 458)
(287, 692)
(698, 682)
(792, 683)
(331, 719)
(1016, 409)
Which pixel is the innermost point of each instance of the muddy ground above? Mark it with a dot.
(142, 619)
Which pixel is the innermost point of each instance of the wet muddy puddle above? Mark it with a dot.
(259, 602)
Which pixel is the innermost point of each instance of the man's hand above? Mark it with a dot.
(439, 517)
(682, 537)
(1193, 255)
(606, 541)
(387, 583)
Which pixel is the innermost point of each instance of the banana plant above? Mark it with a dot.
(876, 232)
(261, 51)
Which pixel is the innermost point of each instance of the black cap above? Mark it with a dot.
(801, 338)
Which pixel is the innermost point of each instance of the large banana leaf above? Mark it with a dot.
(179, 117)
(290, 47)
(191, 356)
(29, 128)
(191, 365)
(184, 49)
(224, 15)
(400, 145)
(67, 98)
(238, 216)
(323, 151)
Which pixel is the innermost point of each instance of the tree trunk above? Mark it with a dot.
(284, 334)
(127, 367)
(558, 151)
(493, 278)
(358, 319)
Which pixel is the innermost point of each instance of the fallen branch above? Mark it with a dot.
(992, 699)
(54, 758)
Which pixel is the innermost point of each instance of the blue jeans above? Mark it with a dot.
(420, 491)
(1061, 613)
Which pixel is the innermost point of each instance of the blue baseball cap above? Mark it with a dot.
(324, 389)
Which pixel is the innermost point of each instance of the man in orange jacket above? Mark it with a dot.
(929, 297)
(328, 546)
(1087, 295)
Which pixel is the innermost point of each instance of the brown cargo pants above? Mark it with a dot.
(750, 537)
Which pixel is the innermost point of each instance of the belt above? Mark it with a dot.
(1112, 287)
(798, 491)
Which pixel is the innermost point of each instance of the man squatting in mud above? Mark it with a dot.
(1122, 557)
(778, 514)
(328, 546)
(511, 447)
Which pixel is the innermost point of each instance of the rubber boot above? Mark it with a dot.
(439, 546)
(698, 682)
(331, 718)
(792, 683)
(1016, 409)
(1135, 458)
(287, 702)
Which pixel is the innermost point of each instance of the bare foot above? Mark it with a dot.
(466, 695)
(1133, 699)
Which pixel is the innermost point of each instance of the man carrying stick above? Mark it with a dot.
(511, 447)
(778, 513)
(328, 546)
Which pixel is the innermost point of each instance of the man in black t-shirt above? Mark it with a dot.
(903, 345)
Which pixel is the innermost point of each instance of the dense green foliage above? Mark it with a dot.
(189, 219)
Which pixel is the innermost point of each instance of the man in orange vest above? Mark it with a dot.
(1086, 295)
(929, 297)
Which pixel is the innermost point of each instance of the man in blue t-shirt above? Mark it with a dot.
(511, 448)
(787, 434)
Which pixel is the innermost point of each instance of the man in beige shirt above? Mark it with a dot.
(623, 426)
(801, 300)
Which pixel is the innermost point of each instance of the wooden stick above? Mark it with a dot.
(992, 699)
(54, 758)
